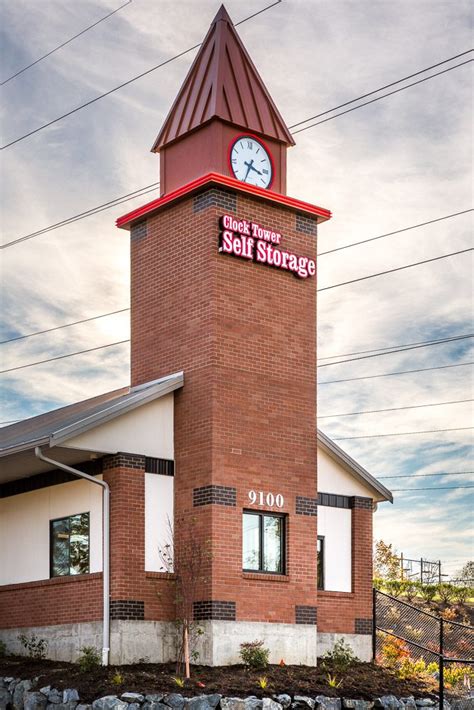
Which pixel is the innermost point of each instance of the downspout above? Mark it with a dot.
(106, 545)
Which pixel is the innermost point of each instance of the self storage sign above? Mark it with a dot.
(251, 241)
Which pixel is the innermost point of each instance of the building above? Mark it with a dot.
(217, 431)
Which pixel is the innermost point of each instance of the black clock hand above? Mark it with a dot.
(252, 168)
(249, 166)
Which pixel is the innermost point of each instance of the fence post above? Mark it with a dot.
(421, 570)
(374, 624)
(439, 571)
(441, 664)
(401, 565)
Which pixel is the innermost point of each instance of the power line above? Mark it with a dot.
(395, 409)
(399, 268)
(400, 372)
(61, 357)
(384, 96)
(381, 88)
(422, 475)
(87, 213)
(65, 325)
(65, 43)
(440, 488)
(398, 231)
(432, 341)
(123, 84)
(400, 433)
(399, 350)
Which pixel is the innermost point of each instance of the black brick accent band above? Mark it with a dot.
(164, 467)
(215, 198)
(306, 224)
(363, 626)
(127, 610)
(361, 502)
(122, 460)
(306, 506)
(138, 231)
(49, 478)
(334, 501)
(217, 495)
(214, 610)
(306, 615)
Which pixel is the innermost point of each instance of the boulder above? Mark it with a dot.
(83, 707)
(132, 698)
(34, 701)
(70, 695)
(409, 702)
(62, 706)
(134, 706)
(5, 698)
(325, 703)
(250, 703)
(302, 701)
(18, 695)
(425, 702)
(46, 690)
(203, 702)
(357, 704)
(389, 702)
(174, 700)
(109, 702)
(269, 704)
(154, 697)
(154, 705)
(463, 704)
(284, 700)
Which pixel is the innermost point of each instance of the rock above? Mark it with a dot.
(12, 682)
(269, 704)
(174, 700)
(5, 698)
(109, 702)
(153, 705)
(18, 695)
(389, 702)
(83, 707)
(134, 706)
(34, 701)
(203, 702)
(284, 700)
(409, 702)
(154, 698)
(357, 704)
(55, 696)
(70, 695)
(324, 703)
(425, 702)
(302, 701)
(250, 703)
(463, 704)
(46, 690)
(132, 698)
(62, 706)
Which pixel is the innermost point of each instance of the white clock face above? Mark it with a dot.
(251, 162)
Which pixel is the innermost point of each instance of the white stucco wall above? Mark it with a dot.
(24, 528)
(158, 516)
(335, 525)
(147, 430)
(332, 478)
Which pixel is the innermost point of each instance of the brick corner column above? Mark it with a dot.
(362, 563)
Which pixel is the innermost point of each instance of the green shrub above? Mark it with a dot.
(254, 654)
(395, 587)
(462, 594)
(411, 590)
(89, 659)
(446, 592)
(378, 583)
(34, 646)
(341, 656)
(428, 592)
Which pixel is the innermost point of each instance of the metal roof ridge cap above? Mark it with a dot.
(356, 468)
(159, 380)
(116, 409)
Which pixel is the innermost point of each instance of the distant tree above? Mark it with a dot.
(466, 573)
(386, 561)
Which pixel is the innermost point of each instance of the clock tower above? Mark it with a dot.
(223, 288)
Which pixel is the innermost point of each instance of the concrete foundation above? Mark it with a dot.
(130, 641)
(361, 644)
(220, 643)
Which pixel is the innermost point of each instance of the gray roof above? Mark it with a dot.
(352, 466)
(57, 426)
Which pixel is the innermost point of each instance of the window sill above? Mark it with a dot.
(328, 593)
(53, 581)
(265, 577)
(169, 576)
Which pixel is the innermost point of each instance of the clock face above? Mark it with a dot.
(250, 161)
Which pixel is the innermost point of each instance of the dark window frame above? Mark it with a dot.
(321, 582)
(261, 514)
(51, 546)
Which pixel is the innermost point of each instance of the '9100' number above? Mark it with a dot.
(269, 499)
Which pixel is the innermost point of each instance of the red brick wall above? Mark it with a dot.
(245, 336)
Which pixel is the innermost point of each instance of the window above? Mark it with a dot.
(320, 552)
(263, 543)
(69, 545)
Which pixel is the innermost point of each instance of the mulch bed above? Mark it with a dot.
(364, 681)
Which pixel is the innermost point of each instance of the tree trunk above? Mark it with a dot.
(186, 649)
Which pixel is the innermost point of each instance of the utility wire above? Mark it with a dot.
(60, 327)
(399, 268)
(88, 213)
(400, 433)
(388, 347)
(381, 88)
(61, 357)
(398, 231)
(398, 350)
(379, 98)
(422, 475)
(390, 374)
(65, 43)
(441, 488)
(125, 83)
(395, 409)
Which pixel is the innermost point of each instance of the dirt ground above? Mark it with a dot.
(362, 681)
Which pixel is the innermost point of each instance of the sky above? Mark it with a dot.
(398, 162)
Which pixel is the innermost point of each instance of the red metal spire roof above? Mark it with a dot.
(223, 83)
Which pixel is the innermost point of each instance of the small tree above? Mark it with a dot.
(189, 562)
(386, 561)
(466, 574)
